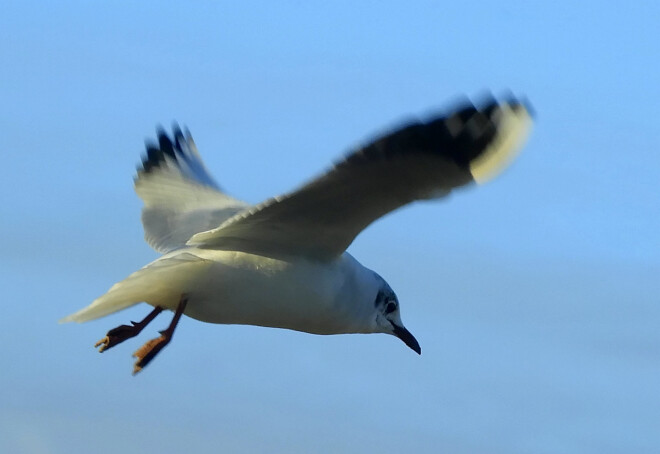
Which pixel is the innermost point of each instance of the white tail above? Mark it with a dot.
(160, 283)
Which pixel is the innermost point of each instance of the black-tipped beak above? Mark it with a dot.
(407, 338)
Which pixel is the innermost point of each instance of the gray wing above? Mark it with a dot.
(423, 160)
(180, 196)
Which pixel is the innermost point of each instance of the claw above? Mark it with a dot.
(148, 352)
(118, 335)
(123, 332)
(104, 343)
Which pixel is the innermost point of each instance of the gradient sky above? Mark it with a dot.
(536, 298)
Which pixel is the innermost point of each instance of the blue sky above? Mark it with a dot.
(536, 298)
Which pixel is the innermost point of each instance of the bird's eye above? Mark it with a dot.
(391, 307)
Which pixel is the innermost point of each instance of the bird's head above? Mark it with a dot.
(388, 317)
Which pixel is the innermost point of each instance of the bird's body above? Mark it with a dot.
(296, 293)
(283, 263)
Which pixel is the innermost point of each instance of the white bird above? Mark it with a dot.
(283, 263)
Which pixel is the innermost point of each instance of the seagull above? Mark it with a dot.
(283, 263)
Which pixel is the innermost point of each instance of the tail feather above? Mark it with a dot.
(160, 283)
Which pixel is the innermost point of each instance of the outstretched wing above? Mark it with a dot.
(423, 160)
(180, 196)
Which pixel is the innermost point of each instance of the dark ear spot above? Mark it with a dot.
(379, 298)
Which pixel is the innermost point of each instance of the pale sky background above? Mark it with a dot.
(536, 298)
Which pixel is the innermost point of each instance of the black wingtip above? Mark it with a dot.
(179, 139)
(460, 134)
(165, 142)
(152, 158)
(486, 102)
(155, 152)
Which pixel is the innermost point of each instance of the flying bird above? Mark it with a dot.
(283, 263)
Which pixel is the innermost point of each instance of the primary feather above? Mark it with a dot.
(180, 196)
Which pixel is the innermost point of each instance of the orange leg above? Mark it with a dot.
(121, 333)
(149, 350)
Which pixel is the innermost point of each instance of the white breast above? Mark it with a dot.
(315, 297)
